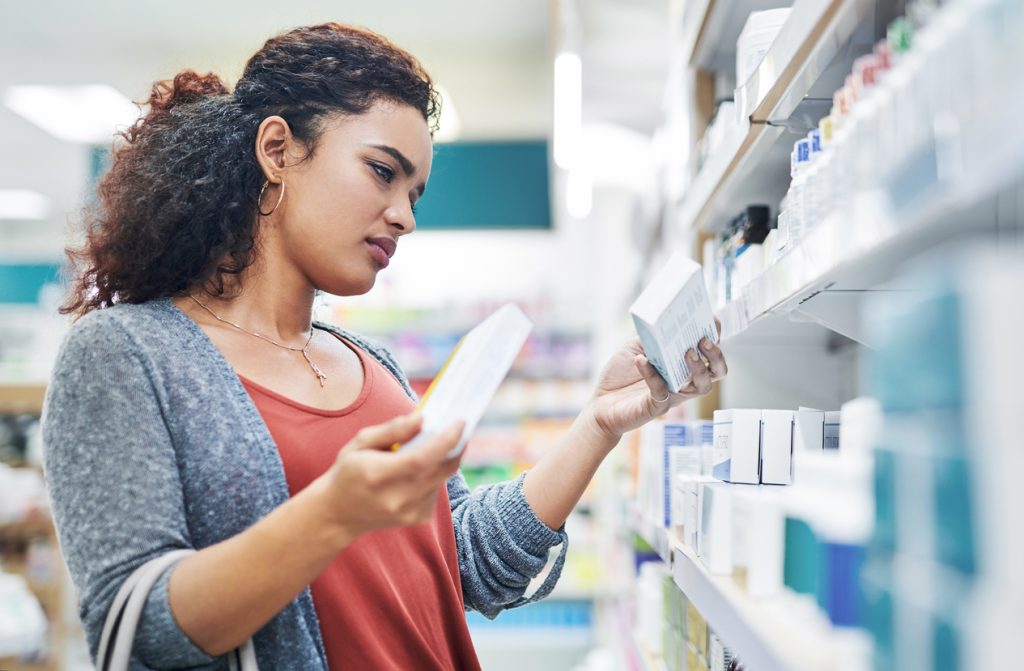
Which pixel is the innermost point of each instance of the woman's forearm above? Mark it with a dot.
(223, 594)
(555, 484)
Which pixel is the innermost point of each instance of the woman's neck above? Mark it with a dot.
(276, 305)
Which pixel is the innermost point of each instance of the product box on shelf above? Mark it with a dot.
(776, 447)
(689, 492)
(808, 430)
(758, 533)
(714, 545)
(737, 446)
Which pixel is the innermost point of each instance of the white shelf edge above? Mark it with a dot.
(758, 632)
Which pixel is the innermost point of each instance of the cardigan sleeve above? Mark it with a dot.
(502, 545)
(114, 484)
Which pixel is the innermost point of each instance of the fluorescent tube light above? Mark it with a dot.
(568, 109)
(23, 205)
(83, 114)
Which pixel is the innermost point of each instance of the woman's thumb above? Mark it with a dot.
(385, 436)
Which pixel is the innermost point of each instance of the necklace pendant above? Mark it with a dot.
(319, 374)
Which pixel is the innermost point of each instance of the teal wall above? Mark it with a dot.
(21, 282)
(487, 185)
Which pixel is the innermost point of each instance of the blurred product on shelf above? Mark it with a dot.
(757, 36)
(722, 130)
(23, 625)
(943, 585)
(22, 495)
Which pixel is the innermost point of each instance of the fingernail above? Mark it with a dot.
(705, 344)
(693, 356)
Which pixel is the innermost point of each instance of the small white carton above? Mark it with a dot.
(737, 446)
(714, 545)
(776, 447)
(671, 315)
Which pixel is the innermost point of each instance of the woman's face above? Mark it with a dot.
(346, 207)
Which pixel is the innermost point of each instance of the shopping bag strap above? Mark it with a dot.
(122, 621)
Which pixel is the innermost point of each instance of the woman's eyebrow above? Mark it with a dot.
(407, 167)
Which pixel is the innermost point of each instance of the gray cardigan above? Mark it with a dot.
(153, 444)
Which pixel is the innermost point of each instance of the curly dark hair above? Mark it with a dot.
(178, 208)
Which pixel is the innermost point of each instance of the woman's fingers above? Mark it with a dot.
(716, 360)
(701, 374)
(655, 383)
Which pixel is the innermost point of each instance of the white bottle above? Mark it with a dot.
(798, 219)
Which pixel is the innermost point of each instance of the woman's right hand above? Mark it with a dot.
(372, 487)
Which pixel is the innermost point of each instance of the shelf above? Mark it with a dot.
(711, 28)
(22, 397)
(36, 526)
(752, 165)
(765, 633)
(645, 659)
(824, 281)
(653, 534)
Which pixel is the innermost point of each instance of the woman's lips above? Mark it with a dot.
(381, 249)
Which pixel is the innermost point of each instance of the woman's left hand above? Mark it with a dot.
(630, 392)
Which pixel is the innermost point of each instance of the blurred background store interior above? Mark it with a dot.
(849, 175)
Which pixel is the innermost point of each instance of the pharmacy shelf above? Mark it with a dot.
(960, 183)
(22, 397)
(750, 167)
(764, 633)
(653, 534)
(645, 659)
(711, 27)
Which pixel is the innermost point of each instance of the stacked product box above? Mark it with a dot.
(943, 583)
(668, 450)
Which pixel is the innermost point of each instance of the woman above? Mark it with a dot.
(195, 405)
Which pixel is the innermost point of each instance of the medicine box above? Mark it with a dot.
(714, 545)
(737, 446)
(808, 431)
(671, 316)
(776, 447)
(831, 430)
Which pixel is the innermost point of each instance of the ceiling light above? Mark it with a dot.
(84, 114)
(568, 109)
(449, 125)
(23, 205)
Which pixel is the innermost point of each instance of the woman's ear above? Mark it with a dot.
(272, 142)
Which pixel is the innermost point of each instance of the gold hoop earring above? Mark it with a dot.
(259, 200)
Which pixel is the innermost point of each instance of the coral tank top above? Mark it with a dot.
(393, 598)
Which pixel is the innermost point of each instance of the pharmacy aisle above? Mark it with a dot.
(856, 201)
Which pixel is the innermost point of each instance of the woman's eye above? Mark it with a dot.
(384, 172)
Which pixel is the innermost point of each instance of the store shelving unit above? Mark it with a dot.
(958, 183)
(765, 633)
(22, 397)
(752, 166)
(848, 257)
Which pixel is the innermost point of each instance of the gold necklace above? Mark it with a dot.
(305, 354)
